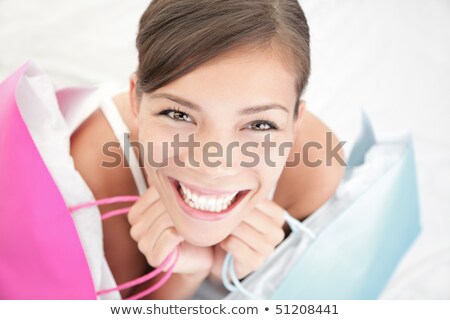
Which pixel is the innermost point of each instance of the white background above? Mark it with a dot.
(277, 309)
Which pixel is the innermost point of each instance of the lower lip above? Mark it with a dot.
(206, 215)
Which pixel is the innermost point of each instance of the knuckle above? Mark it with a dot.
(151, 260)
(131, 216)
(226, 243)
(281, 223)
(130, 219)
(275, 236)
(280, 219)
(134, 233)
(157, 259)
(141, 247)
(172, 232)
(278, 236)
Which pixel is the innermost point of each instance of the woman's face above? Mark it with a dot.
(233, 103)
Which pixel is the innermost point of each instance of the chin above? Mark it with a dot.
(203, 240)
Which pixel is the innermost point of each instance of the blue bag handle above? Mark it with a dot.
(228, 263)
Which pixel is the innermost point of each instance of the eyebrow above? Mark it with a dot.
(196, 107)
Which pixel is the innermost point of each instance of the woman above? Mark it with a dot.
(226, 73)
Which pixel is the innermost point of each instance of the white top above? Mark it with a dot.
(122, 134)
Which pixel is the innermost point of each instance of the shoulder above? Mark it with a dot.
(87, 147)
(318, 157)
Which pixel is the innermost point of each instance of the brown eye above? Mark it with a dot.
(262, 126)
(177, 115)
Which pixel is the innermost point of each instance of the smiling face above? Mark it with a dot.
(235, 99)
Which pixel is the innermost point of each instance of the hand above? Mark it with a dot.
(252, 241)
(156, 237)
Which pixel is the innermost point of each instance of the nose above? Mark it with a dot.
(214, 155)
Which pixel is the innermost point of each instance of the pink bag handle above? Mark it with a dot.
(145, 277)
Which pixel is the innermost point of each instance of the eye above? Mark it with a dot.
(177, 115)
(262, 125)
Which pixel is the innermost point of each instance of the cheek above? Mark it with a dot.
(272, 162)
(155, 141)
(273, 156)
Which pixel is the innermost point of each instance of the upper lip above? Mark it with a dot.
(211, 191)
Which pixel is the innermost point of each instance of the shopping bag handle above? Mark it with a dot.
(228, 263)
(172, 256)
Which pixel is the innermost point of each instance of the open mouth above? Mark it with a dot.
(206, 204)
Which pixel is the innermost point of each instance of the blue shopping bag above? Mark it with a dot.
(350, 247)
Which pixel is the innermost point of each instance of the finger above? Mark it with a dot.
(273, 210)
(245, 258)
(148, 240)
(165, 244)
(138, 208)
(272, 233)
(219, 257)
(253, 239)
(260, 221)
(144, 222)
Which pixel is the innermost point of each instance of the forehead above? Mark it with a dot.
(240, 77)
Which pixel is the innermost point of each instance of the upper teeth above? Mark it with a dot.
(213, 203)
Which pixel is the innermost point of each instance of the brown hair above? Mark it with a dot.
(176, 36)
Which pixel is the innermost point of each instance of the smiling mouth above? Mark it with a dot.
(206, 204)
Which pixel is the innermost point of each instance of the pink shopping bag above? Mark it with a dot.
(41, 256)
(41, 252)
